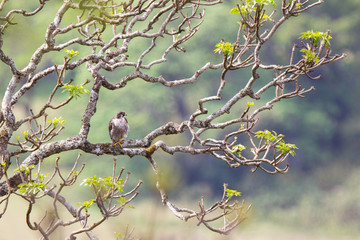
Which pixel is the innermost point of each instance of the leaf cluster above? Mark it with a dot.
(71, 53)
(246, 8)
(31, 188)
(102, 186)
(310, 56)
(75, 91)
(316, 40)
(272, 138)
(56, 122)
(229, 193)
(34, 182)
(25, 133)
(224, 47)
(35, 137)
(26, 170)
(238, 149)
(86, 204)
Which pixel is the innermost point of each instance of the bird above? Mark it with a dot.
(118, 128)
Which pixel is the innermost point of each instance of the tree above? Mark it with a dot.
(101, 34)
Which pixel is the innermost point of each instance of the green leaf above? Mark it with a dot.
(25, 169)
(119, 235)
(40, 176)
(31, 188)
(229, 193)
(270, 137)
(316, 38)
(249, 104)
(71, 53)
(266, 17)
(238, 149)
(235, 10)
(224, 47)
(56, 122)
(121, 200)
(75, 91)
(309, 56)
(3, 164)
(103, 184)
(86, 204)
(286, 147)
(93, 181)
(250, 6)
(25, 134)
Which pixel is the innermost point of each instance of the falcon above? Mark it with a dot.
(118, 128)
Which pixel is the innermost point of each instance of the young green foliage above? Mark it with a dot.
(269, 136)
(3, 165)
(75, 91)
(56, 122)
(25, 134)
(286, 148)
(249, 6)
(309, 56)
(40, 177)
(32, 187)
(229, 193)
(249, 104)
(119, 236)
(224, 47)
(101, 185)
(316, 38)
(25, 169)
(277, 139)
(238, 149)
(86, 204)
(71, 53)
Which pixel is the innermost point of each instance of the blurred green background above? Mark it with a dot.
(319, 198)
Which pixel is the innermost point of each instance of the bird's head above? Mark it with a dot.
(120, 114)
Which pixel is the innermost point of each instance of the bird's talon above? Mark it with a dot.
(118, 143)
